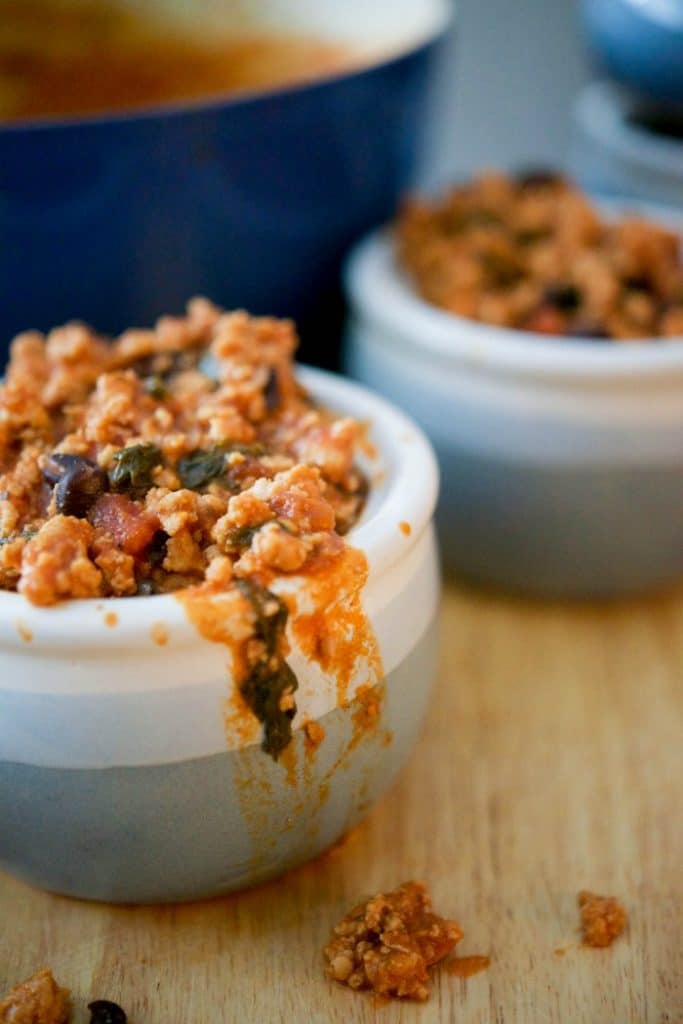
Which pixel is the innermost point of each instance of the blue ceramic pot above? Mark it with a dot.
(640, 43)
(252, 201)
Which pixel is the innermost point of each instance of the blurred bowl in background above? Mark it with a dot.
(620, 146)
(250, 199)
(639, 43)
(561, 460)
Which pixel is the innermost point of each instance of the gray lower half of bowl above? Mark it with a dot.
(575, 530)
(198, 828)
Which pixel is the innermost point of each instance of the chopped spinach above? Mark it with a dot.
(269, 677)
(132, 469)
(155, 386)
(24, 535)
(242, 536)
(201, 467)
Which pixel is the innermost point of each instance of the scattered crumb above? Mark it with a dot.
(111, 619)
(388, 943)
(405, 528)
(24, 632)
(603, 919)
(39, 1000)
(466, 966)
(560, 951)
(159, 634)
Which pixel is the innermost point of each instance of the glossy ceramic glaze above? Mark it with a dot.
(249, 200)
(640, 43)
(561, 461)
(120, 777)
(613, 154)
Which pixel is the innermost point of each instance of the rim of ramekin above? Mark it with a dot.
(406, 480)
(379, 291)
(441, 21)
(602, 110)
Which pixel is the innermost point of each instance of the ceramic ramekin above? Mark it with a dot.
(251, 199)
(614, 153)
(120, 778)
(561, 460)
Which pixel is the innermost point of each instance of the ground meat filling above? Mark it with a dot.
(531, 252)
(389, 943)
(603, 919)
(39, 1000)
(132, 466)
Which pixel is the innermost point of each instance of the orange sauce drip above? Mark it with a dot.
(405, 528)
(466, 966)
(25, 633)
(314, 734)
(159, 634)
(336, 633)
(111, 620)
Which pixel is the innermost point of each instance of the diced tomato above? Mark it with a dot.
(129, 526)
(547, 320)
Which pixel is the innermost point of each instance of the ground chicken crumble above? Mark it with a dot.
(603, 919)
(131, 467)
(39, 1000)
(532, 252)
(389, 943)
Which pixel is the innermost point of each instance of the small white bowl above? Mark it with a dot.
(120, 778)
(612, 154)
(561, 460)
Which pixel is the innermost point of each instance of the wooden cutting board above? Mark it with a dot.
(552, 761)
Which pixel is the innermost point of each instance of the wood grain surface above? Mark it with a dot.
(552, 761)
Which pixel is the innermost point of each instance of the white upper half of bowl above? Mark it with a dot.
(383, 295)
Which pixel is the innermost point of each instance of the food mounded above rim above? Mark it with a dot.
(187, 458)
(532, 253)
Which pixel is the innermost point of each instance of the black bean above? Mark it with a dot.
(637, 283)
(271, 391)
(78, 482)
(156, 552)
(564, 297)
(588, 331)
(538, 177)
(104, 1012)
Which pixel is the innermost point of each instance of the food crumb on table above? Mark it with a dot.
(388, 943)
(603, 919)
(38, 1000)
(467, 966)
